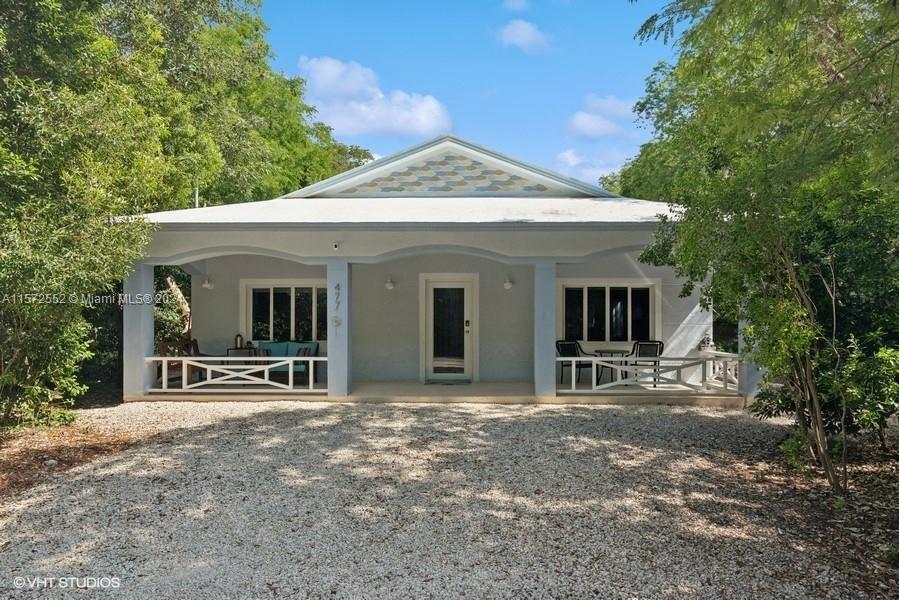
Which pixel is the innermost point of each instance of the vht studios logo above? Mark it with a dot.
(41, 583)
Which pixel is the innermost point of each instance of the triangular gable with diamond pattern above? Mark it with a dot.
(449, 173)
(448, 166)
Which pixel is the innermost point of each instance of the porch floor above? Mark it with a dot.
(413, 391)
(480, 393)
(523, 393)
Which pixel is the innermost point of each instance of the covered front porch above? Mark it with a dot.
(380, 330)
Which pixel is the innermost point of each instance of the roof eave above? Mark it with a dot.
(498, 225)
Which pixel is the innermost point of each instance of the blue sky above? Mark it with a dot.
(548, 81)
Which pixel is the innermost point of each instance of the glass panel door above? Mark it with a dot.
(449, 330)
(448, 336)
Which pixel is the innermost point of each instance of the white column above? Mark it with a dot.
(545, 328)
(340, 349)
(137, 332)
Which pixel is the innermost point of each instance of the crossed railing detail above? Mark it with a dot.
(235, 374)
(716, 371)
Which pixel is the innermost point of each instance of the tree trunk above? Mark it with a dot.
(819, 435)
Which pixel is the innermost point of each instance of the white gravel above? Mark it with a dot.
(283, 499)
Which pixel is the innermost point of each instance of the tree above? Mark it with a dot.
(775, 141)
(115, 107)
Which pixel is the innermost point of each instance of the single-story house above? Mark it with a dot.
(445, 271)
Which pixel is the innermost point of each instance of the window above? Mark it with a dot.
(619, 313)
(288, 311)
(640, 314)
(574, 314)
(596, 313)
(260, 311)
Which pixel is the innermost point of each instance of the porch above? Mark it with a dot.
(376, 329)
(425, 322)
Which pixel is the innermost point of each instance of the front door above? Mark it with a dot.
(449, 307)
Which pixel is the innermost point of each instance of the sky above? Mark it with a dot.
(551, 82)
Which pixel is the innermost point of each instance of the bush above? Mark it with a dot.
(871, 383)
(795, 450)
(891, 554)
(53, 346)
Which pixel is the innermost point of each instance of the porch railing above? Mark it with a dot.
(237, 374)
(724, 369)
(706, 372)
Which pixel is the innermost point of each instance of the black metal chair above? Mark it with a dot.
(572, 349)
(647, 349)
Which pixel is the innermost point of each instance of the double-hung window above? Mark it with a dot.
(287, 310)
(607, 313)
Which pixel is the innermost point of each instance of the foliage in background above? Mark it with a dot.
(775, 140)
(115, 107)
(172, 314)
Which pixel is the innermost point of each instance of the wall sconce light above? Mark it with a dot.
(208, 285)
(389, 284)
(336, 246)
(507, 284)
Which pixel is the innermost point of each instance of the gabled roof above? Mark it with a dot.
(448, 166)
(446, 182)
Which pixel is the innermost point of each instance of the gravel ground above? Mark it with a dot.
(310, 499)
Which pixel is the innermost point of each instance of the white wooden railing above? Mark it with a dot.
(236, 374)
(724, 369)
(706, 372)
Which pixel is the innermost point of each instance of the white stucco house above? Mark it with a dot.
(446, 271)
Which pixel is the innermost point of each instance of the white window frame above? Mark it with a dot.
(245, 325)
(655, 305)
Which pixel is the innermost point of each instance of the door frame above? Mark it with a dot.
(473, 280)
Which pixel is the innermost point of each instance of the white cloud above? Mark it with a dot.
(601, 117)
(523, 35)
(572, 163)
(349, 99)
(516, 4)
(589, 125)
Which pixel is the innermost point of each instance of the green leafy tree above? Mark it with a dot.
(775, 135)
(115, 107)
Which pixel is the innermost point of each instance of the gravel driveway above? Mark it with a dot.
(297, 499)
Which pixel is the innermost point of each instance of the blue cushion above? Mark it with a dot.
(274, 348)
(312, 346)
(289, 349)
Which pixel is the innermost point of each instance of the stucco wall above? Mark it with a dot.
(386, 322)
(216, 312)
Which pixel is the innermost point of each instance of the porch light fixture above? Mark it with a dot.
(507, 284)
(208, 285)
(389, 284)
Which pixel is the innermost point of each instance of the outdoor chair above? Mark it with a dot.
(646, 349)
(175, 373)
(572, 349)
